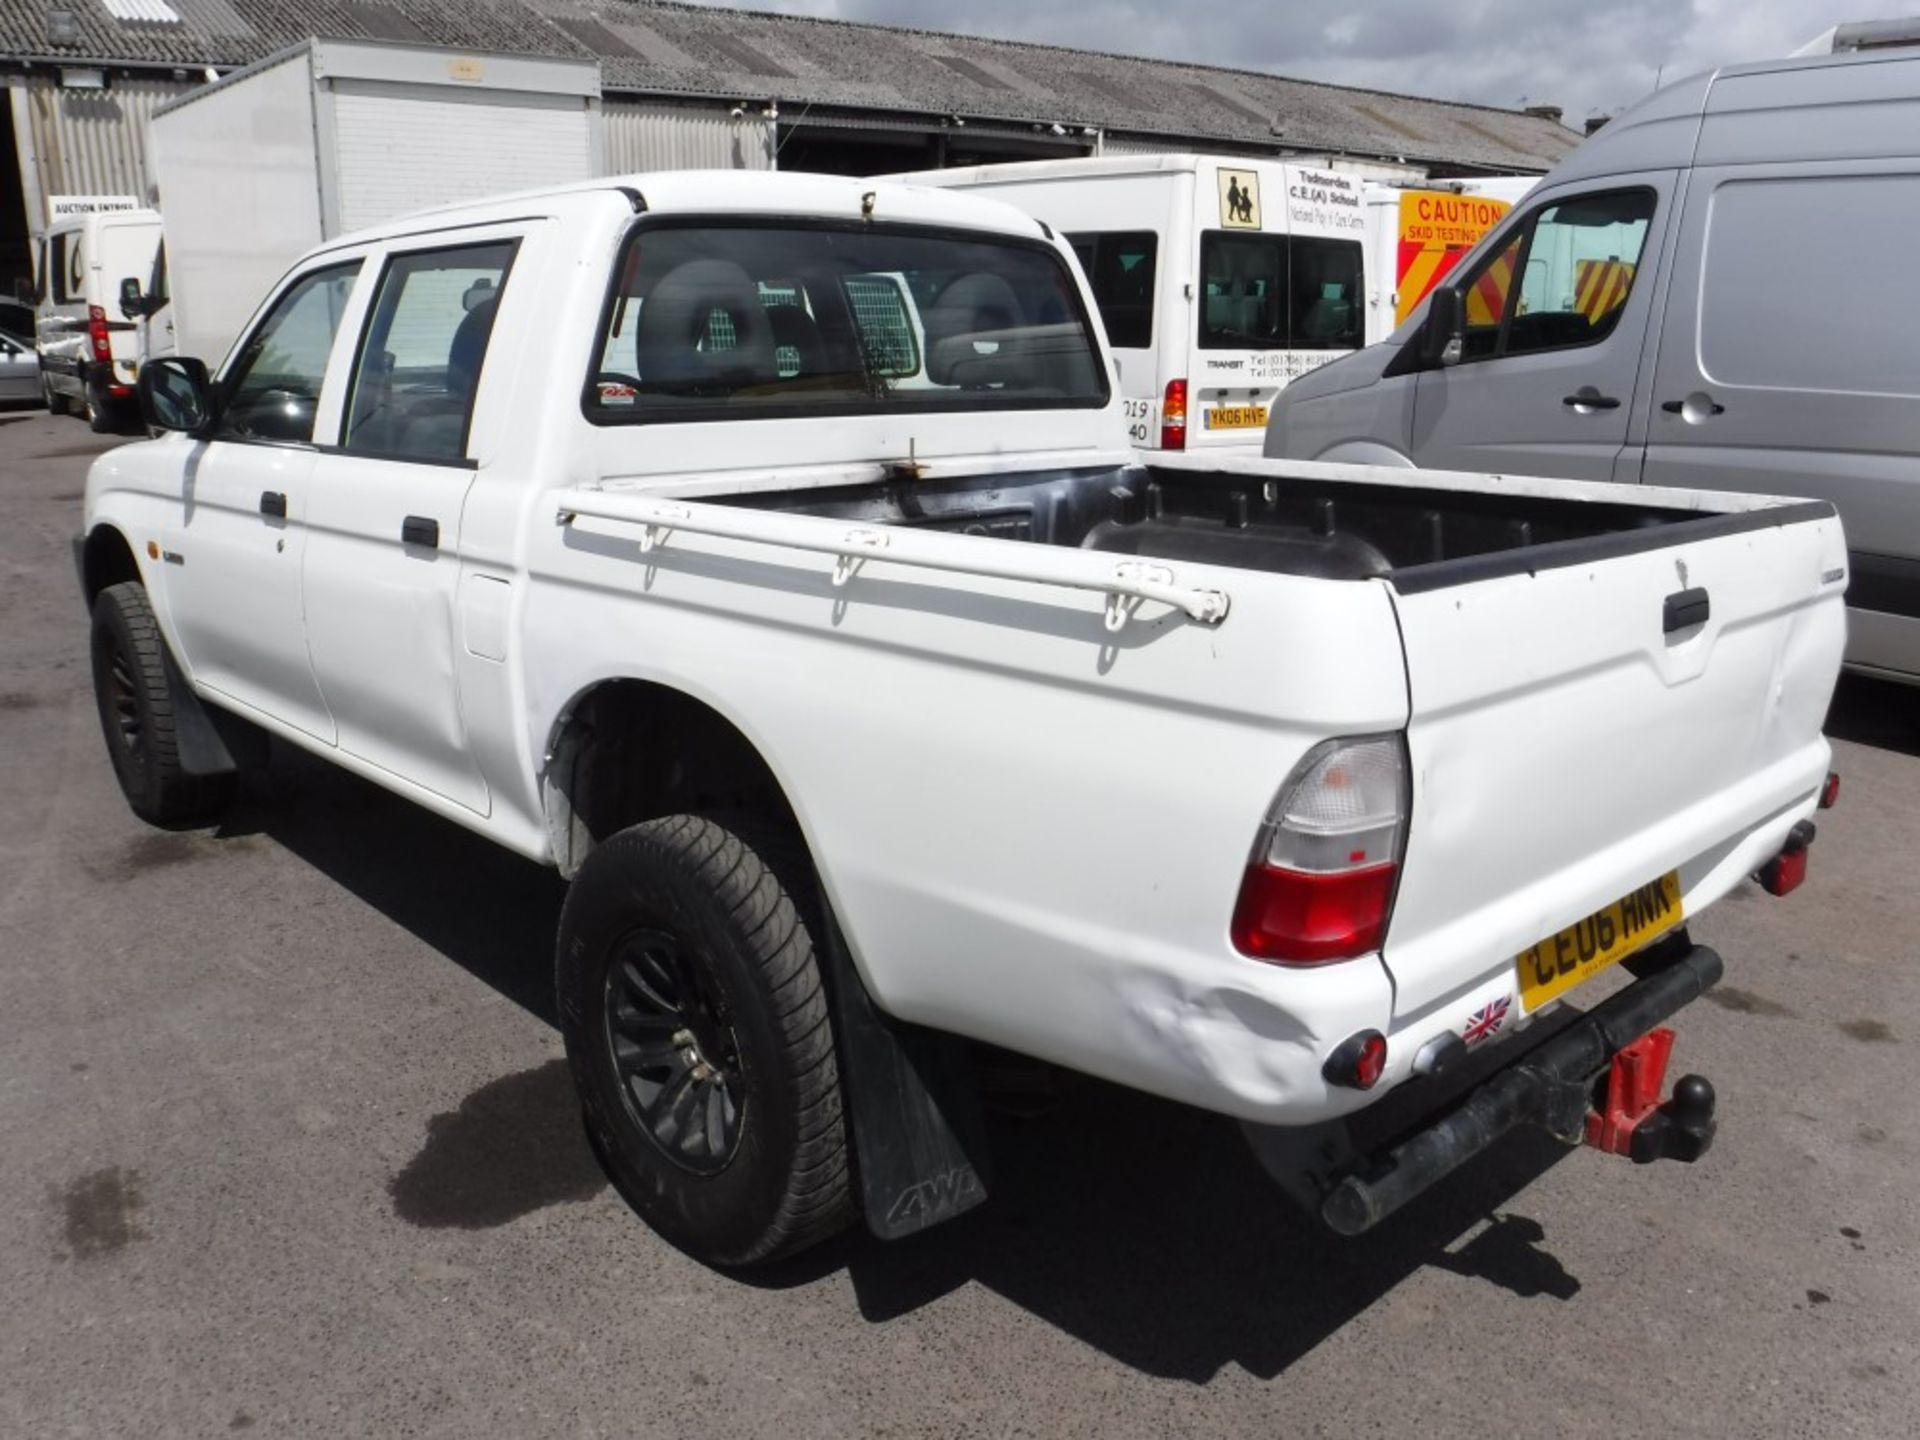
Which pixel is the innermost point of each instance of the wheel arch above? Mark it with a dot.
(626, 749)
(107, 557)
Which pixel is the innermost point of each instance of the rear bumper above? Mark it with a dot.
(1550, 1086)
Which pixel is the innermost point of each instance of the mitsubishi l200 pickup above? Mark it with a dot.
(765, 552)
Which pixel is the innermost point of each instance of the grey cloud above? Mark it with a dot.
(1586, 57)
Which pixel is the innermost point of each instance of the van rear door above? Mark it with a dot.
(1557, 309)
(1281, 291)
(1591, 716)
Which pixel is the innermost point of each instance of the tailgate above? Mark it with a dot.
(1568, 749)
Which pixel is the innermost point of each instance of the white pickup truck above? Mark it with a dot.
(765, 553)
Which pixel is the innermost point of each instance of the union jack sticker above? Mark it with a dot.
(1486, 1020)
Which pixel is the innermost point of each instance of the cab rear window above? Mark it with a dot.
(731, 320)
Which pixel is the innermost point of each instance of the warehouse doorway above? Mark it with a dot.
(16, 239)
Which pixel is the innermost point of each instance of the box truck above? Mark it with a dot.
(329, 137)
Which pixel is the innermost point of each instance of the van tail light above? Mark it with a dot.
(1321, 882)
(97, 333)
(1173, 416)
(1830, 791)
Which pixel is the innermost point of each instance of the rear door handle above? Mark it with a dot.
(420, 530)
(1591, 402)
(1685, 608)
(274, 503)
(1674, 407)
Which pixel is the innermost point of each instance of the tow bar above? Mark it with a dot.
(1553, 1087)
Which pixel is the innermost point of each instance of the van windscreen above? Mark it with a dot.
(1279, 292)
(720, 320)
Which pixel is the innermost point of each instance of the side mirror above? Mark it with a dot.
(176, 393)
(132, 303)
(1443, 336)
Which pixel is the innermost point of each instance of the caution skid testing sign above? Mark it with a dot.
(1436, 229)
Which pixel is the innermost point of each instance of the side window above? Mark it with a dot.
(1574, 263)
(273, 385)
(157, 281)
(419, 365)
(40, 271)
(69, 267)
(1120, 266)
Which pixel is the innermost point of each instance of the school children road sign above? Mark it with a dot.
(1239, 199)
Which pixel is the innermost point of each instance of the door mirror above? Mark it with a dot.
(1443, 336)
(176, 394)
(132, 303)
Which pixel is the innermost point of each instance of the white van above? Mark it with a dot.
(1717, 291)
(87, 345)
(1219, 278)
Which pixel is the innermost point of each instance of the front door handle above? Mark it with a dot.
(420, 530)
(1594, 401)
(274, 503)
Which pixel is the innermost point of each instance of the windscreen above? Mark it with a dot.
(718, 320)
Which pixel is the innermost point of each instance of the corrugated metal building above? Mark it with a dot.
(689, 86)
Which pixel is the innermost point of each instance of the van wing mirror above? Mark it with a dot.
(132, 303)
(176, 393)
(1443, 336)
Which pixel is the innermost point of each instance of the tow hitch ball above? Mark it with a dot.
(1629, 1118)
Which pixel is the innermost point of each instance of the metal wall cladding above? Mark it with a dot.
(94, 142)
(648, 135)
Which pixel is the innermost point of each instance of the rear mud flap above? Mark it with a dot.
(919, 1139)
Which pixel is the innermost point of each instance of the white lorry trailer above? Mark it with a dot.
(331, 136)
(767, 554)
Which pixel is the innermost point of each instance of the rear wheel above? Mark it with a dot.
(138, 710)
(698, 1032)
(103, 416)
(56, 402)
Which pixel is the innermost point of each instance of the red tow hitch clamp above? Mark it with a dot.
(1630, 1119)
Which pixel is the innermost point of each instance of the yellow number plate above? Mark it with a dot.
(1236, 417)
(1581, 951)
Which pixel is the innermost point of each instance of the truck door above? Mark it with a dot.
(1788, 366)
(1556, 319)
(234, 552)
(383, 561)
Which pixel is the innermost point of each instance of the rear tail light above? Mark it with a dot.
(1830, 791)
(97, 333)
(1173, 416)
(1320, 885)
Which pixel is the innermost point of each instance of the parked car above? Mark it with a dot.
(19, 369)
(877, 699)
(86, 343)
(1707, 294)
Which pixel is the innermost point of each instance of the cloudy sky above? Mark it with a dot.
(1587, 56)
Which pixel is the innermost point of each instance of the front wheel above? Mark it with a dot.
(134, 689)
(698, 1032)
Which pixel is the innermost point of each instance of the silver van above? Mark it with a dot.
(1718, 291)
